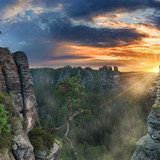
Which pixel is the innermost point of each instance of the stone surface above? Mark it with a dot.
(22, 148)
(154, 124)
(6, 155)
(115, 69)
(3, 87)
(11, 77)
(30, 105)
(148, 147)
(152, 95)
(53, 154)
(15, 78)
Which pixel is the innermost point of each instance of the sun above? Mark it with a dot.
(155, 70)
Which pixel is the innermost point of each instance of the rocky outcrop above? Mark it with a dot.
(103, 77)
(15, 78)
(6, 155)
(53, 154)
(30, 105)
(64, 74)
(148, 148)
(107, 77)
(13, 82)
(151, 95)
(11, 77)
(22, 148)
(3, 87)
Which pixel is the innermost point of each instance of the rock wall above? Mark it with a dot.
(15, 78)
(29, 101)
(148, 147)
(10, 75)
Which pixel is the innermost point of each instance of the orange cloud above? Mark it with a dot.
(136, 57)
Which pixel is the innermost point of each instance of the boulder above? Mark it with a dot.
(53, 154)
(147, 149)
(22, 148)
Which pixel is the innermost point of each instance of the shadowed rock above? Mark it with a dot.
(30, 105)
(9, 71)
(3, 87)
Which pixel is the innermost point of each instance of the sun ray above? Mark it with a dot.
(146, 79)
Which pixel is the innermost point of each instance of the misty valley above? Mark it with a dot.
(117, 103)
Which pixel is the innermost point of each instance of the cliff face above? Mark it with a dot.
(148, 147)
(27, 90)
(15, 78)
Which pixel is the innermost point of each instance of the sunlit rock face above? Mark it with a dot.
(151, 95)
(148, 147)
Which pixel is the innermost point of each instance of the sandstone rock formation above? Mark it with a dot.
(15, 78)
(53, 154)
(13, 82)
(10, 74)
(30, 105)
(148, 147)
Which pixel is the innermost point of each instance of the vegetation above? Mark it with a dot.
(41, 139)
(5, 126)
(113, 126)
(71, 91)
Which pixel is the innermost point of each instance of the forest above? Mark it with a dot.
(115, 117)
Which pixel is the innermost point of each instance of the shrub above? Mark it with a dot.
(5, 129)
(41, 139)
(2, 98)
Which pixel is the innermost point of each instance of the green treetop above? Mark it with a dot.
(72, 91)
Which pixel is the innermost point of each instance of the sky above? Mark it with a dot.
(94, 33)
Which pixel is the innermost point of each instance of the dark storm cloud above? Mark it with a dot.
(155, 20)
(50, 27)
(61, 29)
(39, 38)
(87, 8)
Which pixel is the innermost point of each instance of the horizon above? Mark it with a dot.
(57, 33)
(45, 67)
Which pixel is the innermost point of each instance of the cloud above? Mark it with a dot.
(78, 32)
(49, 28)
(155, 20)
(88, 8)
(6, 3)
(64, 57)
(61, 29)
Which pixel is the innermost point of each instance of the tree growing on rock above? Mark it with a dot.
(71, 91)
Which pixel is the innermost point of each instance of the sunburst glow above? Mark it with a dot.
(155, 70)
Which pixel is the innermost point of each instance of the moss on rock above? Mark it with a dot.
(41, 139)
